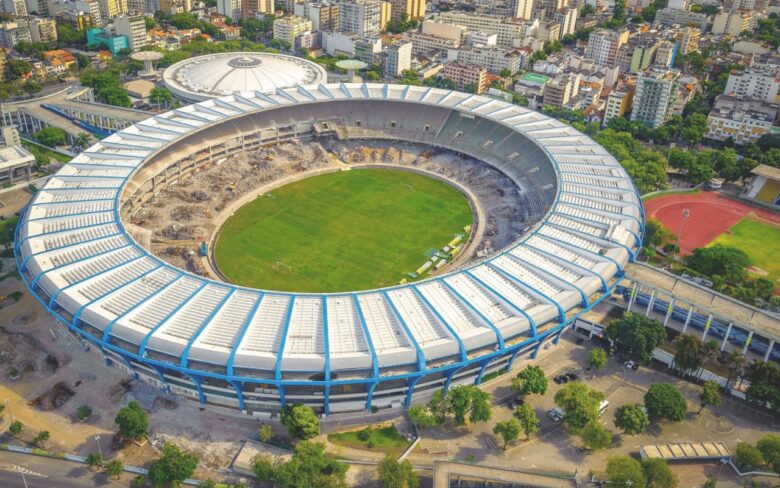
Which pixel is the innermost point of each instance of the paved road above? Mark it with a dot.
(40, 472)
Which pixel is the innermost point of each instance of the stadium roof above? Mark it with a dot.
(72, 247)
(216, 75)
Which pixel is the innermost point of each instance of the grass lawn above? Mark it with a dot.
(384, 439)
(342, 231)
(46, 152)
(760, 241)
(666, 194)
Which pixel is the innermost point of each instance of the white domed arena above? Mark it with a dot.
(216, 75)
(256, 350)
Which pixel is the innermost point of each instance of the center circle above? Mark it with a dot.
(245, 62)
(344, 231)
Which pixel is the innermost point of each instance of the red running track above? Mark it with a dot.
(710, 215)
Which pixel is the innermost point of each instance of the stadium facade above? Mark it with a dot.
(255, 350)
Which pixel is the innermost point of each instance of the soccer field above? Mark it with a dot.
(760, 241)
(343, 231)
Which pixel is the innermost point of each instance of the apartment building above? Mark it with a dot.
(619, 102)
(422, 43)
(637, 54)
(43, 30)
(250, 8)
(744, 121)
(414, 9)
(17, 8)
(559, 90)
(665, 55)
(289, 27)
(732, 23)
(603, 45)
(688, 40)
(466, 76)
(494, 59)
(656, 91)
(399, 58)
(674, 16)
(112, 8)
(508, 30)
(521, 9)
(13, 32)
(363, 17)
(134, 27)
(753, 83)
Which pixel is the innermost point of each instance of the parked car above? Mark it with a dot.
(572, 376)
(556, 414)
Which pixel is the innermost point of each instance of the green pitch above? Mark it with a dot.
(760, 241)
(343, 231)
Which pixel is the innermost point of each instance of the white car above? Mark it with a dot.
(556, 414)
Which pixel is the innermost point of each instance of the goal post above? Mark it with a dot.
(407, 186)
(281, 265)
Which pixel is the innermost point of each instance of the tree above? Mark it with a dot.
(625, 471)
(636, 336)
(748, 455)
(83, 412)
(631, 419)
(51, 136)
(265, 432)
(421, 417)
(132, 420)
(579, 403)
(658, 474)
(116, 96)
(93, 460)
(81, 140)
(530, 380)
(769, 445)
(31, 88)
(710, 394)
(161, 97)
(690, 352)
(764, 389)
(397, 474)
(300, 420)
(597, 358)
(719, 260)
(596, 437)
(469, 399)
(529, 422)
(665, 401)
(310, 467)
(509, 430)
(41, 437)
(173, 467)
(16, 428)
(264, 467)
(115, 468)
(17, 68)
(736, 362)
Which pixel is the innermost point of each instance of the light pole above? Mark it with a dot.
(24, 480)
(100, 452)
(686, 213)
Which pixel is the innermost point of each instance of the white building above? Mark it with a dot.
(732, 23)
(399, 58)
(134, 27)
(655, 93)
(14, 160)
(744, 121)
(494, 59)
(603, 45)
(482, 39)
(231, 8)
(753, 83)
(361, 17)
(43, 30)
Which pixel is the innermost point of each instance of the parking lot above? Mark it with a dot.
(555, 448)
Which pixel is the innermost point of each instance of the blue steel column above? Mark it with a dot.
(240, 337)
(280, 353)
(326, 342)
(370, 344)
(420, 355)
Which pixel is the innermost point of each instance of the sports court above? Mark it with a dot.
(710, 214)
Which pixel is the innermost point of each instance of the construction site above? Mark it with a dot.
(181, 219)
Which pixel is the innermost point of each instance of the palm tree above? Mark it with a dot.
(736, 362)
(81, 140)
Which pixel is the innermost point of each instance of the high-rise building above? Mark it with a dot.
(732, 23)
(655, 93)
(18, 8)
(134, 27)
(112, 8)
(603, 45)
(414, 9)
(521, 8)
(399, 58)
(619, 102)
(43, 30)
(324, 16)
(230, 8)
(13, 32)
(385, 13)
(466, 76)
(637, 54)
(665, 54)
(567, 17)
(753, 84)
(251, 7)
(509, 30)
(688, 40)
(289, 27)
(361, 17)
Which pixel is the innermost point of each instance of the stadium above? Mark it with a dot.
(255, 350)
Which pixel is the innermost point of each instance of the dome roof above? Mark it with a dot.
(215, 75)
